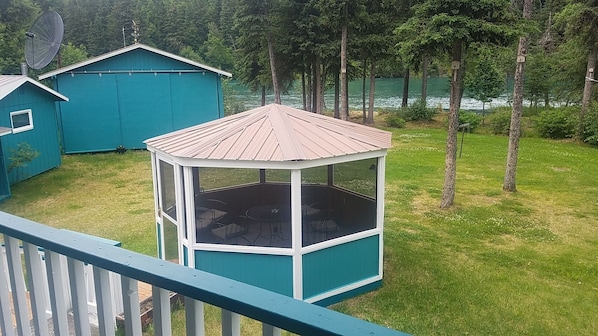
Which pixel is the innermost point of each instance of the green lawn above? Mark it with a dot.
(496, 263)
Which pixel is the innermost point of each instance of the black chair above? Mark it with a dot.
(209, 212)
(229, 231)
(223, 225)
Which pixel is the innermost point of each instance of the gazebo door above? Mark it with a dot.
(168, 218)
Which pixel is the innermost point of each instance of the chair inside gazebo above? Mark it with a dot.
(253, 207)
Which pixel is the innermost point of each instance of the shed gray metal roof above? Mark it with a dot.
(9, 83)
(272, 133)
(127, 49)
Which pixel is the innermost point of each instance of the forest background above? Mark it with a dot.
(273, 44)
(233, 35)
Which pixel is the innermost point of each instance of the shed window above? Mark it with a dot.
(21, 121)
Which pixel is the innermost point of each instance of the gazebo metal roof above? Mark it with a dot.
(272, 133)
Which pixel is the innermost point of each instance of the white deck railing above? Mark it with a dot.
(33, 288)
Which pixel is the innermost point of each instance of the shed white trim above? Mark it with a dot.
(127, 49)
(9, 83)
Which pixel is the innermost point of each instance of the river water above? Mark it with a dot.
(389, 94)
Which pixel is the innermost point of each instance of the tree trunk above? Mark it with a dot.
(344, 108)
(337, 89)
(405, 101)
(309, 95)
(318, 80)
(370, 119)
(303, 90)
(509, 183)
(363, 75)
(273, 70)
(263, 95)
(314, 97)
(450, 167)
(424, 95)
(587, 92)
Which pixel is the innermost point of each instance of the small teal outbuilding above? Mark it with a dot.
(121, 98)
(27, 121)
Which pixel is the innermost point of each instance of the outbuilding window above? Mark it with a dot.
(21, 121)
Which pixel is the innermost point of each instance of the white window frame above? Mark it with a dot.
(22, 128)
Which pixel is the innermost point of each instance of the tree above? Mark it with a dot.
(263, 34)
(483, 82)
(509, 183)
(539, 75)
(580, 19)
(440, 27)
(15, 18)
(70, 54)
(216, 53)
(373, 38)
(344, 108)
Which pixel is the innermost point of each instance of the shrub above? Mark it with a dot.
(418, 111)
(556, 123)
(394, 120)
(471, 118)
(590, 125)
(499, 121)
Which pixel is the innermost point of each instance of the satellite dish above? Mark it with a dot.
(43, 40)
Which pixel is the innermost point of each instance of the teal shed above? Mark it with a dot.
(27, 123)
(121, 98)
(283, 199)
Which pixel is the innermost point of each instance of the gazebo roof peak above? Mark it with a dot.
(272, 133)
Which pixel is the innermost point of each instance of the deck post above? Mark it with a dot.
(130, 293)
(37, 291)
(161, 304)
(19, 300)
(56, 282)
(194, 316)
(268, 330)
(79, 297)
(231, 323)
(6, 326)
(106, 322)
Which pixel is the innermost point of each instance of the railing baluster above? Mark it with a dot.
(101, 279)
(194, 317)
(6, 326)
(130, 293)
(268, 330)
(37, 291)
(79, 297)
(231, 323)
(161, 314)
(17, 280)
(57, 293)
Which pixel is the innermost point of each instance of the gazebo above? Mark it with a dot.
(280, 198)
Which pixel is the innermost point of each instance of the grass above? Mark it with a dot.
(108, 195)
(496, 263)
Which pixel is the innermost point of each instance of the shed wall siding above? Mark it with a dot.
(90, 121)
(109, 110)
(144, 102)
(42, 138)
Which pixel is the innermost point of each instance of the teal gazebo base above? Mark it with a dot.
(327, 276)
